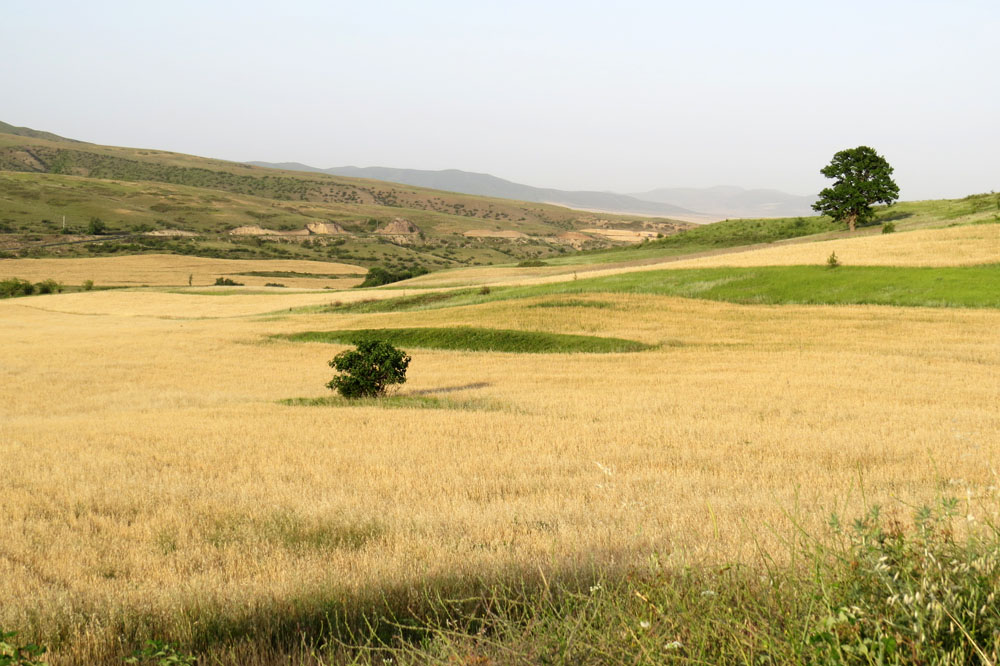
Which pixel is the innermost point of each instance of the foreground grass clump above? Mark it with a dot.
(870, 594)
(468, 338)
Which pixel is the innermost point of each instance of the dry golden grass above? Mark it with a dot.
(169, 270)
(150, 477)
(203, 303)
(967, 245)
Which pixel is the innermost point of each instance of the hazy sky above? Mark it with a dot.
(624, 96)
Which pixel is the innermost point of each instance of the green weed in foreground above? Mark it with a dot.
(871, 594)
(15, 653)
(159, 653)
(468, 338)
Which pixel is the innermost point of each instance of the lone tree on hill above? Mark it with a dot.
(369, 369)
(863, 178)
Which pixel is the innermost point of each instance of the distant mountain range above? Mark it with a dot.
(684, 203)
(482, 184)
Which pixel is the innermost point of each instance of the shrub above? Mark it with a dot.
(369, 369)
(49, 286)
(273, 284)
(225, 282)
(484, 290)
(377, 276)
(531, 263)
(88, 285)
(888, 227)
(832, 261)
(15, 287)
(96, 227)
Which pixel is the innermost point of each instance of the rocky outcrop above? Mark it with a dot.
(251, 230)
(325, 228)
(254, 230)
(172, 233)
(399, 227)
(489, 233)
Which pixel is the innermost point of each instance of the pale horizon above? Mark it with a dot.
(561, 95)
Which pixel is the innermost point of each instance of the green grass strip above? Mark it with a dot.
(907, 286)
(477, 339)
(394, 402)
(971, 286)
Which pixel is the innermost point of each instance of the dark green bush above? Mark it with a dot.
(49, 286)
(96, 227)
(531, 263)
(377, 276)
(226, 282)
(15, 287)
(367, 371)
(888, 227)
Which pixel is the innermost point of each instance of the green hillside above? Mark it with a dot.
(7, 128)
(904, 216)
(134, 192)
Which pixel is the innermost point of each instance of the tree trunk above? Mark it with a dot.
(851, 219)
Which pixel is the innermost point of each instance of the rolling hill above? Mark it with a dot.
(154, 201)
(467, 182)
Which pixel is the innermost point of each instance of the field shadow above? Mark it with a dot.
(450, 389)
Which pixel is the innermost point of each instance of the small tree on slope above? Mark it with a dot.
(863, 178)
(369, 369)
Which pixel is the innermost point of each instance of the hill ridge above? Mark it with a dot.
(484, 184)
(7, 128)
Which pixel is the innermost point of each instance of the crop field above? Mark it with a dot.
(174, 467)
(163, 270)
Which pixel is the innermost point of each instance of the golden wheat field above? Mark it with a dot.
(152, 479)
(965, 245)
(168, 270)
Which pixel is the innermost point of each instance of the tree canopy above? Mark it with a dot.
(367, 371)
(863, 177)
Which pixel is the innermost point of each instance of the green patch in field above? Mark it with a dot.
(968, 286)
(227, 292)
(416, 302)
(395, 402)
(296, 274)
(575, 303)
(467, 338)
(291, 531)
(962, 286)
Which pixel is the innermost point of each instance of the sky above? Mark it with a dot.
(623, 96)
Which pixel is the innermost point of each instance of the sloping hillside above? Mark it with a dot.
(53, 189)
(483, 184)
